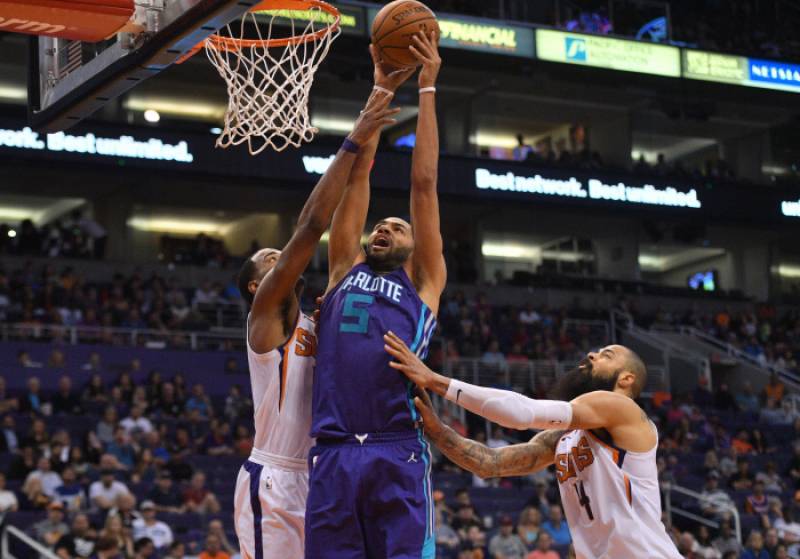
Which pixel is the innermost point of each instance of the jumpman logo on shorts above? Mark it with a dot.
(413, 458)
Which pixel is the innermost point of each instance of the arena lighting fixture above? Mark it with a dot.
(494, 140)
(151, 115)
(341, 125)
(12, 233)
(510, 251)
(216, 130)
(13, 92)
(16, 214)
(788, 271)
(186, 108)
(177, 225)
(326, 236)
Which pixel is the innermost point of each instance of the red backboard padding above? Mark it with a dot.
(84, 20)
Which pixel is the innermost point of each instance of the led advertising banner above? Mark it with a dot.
(714, 67)
(352, 19)
(606, 52)
(774, 75)
(740, 70)
(482, 35)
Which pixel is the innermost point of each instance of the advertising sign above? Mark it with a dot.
(352, 19)
(774, 75)
(490, 36)
(715, 67)
(606, 52)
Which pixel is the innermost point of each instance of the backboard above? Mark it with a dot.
(70, 79)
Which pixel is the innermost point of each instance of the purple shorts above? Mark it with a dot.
(370, 497)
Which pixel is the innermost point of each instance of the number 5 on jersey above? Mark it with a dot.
(355, 314)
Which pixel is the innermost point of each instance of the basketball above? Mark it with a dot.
(395, 26)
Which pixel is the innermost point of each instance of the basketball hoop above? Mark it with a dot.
(269, 78)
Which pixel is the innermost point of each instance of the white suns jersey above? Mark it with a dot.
(611, 499)
(281, 380)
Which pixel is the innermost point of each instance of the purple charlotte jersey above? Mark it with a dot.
(370, 487)
(355, 389)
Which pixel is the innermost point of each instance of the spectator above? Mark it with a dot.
(144, 548)
(446, 537)
(200, 401)
(116, 533)
(726, 542)
(94, 363)
(232, 366)
(703, 547)
(464, 519)
(530, 525)
(107, 425)
(756, 502)
(216, 528)
(8, 500)
(65, 401)
(169, 405)
(197, 498)
(9, 442)
(747, 401)
(218, 442)
(56, 359)
(176, 550)
(742, 479)
(24, 359)
(543, 548)
(493, 356)
(150, 527)
(121, 449)
(50, 530)
(755, 547)
(32, 401)
(125, 509)
(523, 150)
(44, 475)
(95, 391)
(235, 403)
(70, 492)
(213, 549)
(107, 548)
(80, 542)
(163, 497)
(557, 527)
(136, 423)
(771, 542)
(716, 502)
(775, 389)
(506, 544)
(103, 494)
(38, 437)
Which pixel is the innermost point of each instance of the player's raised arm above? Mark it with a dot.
(514, 460)
(430, 273)
(344, 246)
(601, 409)
(274, 297)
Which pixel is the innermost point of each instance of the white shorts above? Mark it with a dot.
(270, 507)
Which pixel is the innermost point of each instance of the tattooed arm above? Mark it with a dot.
(516, 460)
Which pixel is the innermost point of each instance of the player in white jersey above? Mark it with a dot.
(272, 486)
(602, 444)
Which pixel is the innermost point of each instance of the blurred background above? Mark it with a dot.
(611, 171)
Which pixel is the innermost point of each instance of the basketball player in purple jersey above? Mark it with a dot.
(272, 485)
(370, 487)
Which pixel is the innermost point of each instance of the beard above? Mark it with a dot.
(580, 380)
(390, 261)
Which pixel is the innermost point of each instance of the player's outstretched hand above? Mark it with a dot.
(430, 420)
(392, 80)
(407, 362)
(375, 116)
(426, 50)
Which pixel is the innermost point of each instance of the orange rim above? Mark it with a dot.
(231, 44)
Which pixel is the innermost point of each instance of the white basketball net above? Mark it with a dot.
(269, 87)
